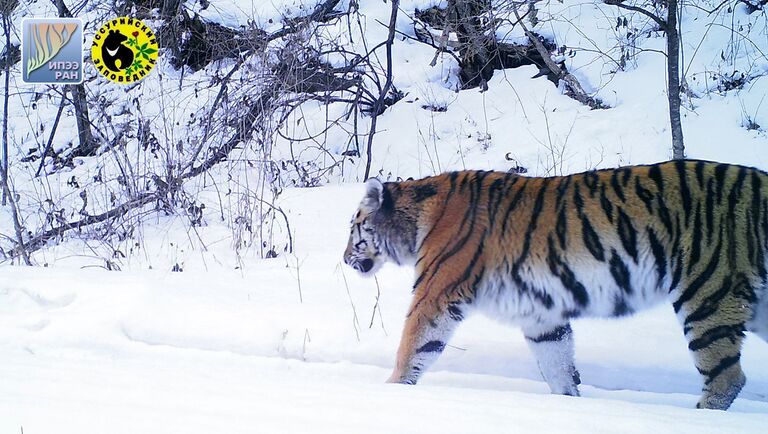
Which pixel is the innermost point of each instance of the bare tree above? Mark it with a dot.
(87, 144)
(6, 8)
(380, 104)
(670, 26)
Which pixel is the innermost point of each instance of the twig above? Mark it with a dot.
(53, 132)
(377, 307)
(355, 322)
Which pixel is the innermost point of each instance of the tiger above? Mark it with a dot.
(538, 252)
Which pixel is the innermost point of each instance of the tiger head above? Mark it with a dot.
(383, 228)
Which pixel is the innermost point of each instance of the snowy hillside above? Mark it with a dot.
(233, 311)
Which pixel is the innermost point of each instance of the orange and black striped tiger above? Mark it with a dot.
(540, 251)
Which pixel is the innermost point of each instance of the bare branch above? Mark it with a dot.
(620, 3)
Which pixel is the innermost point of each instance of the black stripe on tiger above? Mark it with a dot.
(621, 308)
(455, 312)
(658, 254)
(734, 197)
(561, 270)
(495, 196)
(557, 334)
(645, 195)
(707, 338)
(620, 272)
(464, 180)
(469, 270)
(708, 305)
(720, 171)
(423, 192)
(664, 215)
(709, 209)
(562, 188)
(715, 372)
(696, 242)
(537, 207)
(432, 347)
(591, 181)
(685, 191)
(513, 204)
(654, 172)
(561, 227)
(577, 199)
(700, 173)
(475, 194)
(592, 240)
(698, 282)
(606, 204)
(677, 258)
(736, 188)
(617, 189)
(626, 175)
(627, 234)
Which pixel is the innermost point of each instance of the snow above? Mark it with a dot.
(87, 350)
(300, 343)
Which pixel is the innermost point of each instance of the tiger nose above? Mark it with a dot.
(366, 265)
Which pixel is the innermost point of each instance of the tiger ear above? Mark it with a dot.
(374, 194)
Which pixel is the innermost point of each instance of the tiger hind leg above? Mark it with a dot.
(721, 370)
(714, 324)
(553, 348)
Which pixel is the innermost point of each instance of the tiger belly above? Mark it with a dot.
(537, 296)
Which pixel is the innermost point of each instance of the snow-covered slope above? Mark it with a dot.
(300, 343)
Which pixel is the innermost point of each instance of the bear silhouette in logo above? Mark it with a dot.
(113, 50)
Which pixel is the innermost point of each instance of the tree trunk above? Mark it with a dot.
(379, 105)
(673, 73)
(6, 89)
(87, 145)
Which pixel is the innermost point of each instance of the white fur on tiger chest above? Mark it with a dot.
(544, 298)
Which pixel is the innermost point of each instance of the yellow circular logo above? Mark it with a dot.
(124, 50)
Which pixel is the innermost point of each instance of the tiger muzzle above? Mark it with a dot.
(363, 266)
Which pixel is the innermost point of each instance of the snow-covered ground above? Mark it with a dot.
(300, 343)
(281, 348)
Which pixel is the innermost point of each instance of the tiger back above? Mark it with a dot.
(538, 252)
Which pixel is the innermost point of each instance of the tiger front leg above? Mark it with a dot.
(424, 338)
(553, 348)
